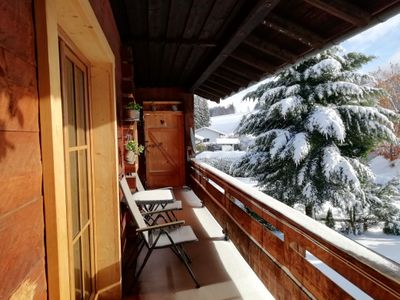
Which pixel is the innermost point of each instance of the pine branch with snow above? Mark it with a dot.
(316, 123)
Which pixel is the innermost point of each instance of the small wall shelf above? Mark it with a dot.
(162, 105)
(131, 120)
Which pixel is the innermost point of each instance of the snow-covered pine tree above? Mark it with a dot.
(382, 208)
(316, 122)
(201, 112)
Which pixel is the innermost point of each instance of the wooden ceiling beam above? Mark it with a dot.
(270, 49)
(230, 77)
(259, 12)
(251, 60)
(343, 10)
(217, 86)
(247, 73)
(293, 31)
(225, 83)
(207, 95)
(171, 41)
(212, 91)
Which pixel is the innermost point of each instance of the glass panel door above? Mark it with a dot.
(78, 184)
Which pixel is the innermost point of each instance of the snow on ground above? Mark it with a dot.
(384, 170)
(226, 123)
(374, 238)
(220, 154)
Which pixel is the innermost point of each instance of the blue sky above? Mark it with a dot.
(382, 41)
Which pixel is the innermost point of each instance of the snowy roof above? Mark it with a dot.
(210, 129)
(199, 137)
(227, 141)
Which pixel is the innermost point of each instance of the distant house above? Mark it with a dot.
(199, 139)
(209, 134)
(227, 144)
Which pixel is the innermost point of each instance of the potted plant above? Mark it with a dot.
(133, 110)
(134, 149)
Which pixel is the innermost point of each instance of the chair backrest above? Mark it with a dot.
(139, 185)
(133, 207)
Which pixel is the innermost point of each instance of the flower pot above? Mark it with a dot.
(133, 114)
(130, 157)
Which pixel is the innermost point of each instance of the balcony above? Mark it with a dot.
(268, 254)
(218, 265)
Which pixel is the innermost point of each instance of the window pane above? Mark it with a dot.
(80, 106)
(74, 189)
(86, 263)
(70, 98)
(78, 270)
(83, 185)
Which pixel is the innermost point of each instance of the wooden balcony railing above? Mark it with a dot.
(280, 260)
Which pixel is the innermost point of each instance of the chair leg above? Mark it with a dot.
(144, 263)
(174, 217)
(186, 255)
(188, 267)
(132, 258)
(153, 220)
(180, 252)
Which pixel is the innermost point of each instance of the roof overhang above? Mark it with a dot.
(217, 47)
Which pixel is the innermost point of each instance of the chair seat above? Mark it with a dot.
(153, 197)
(179, 235)
(176, 205)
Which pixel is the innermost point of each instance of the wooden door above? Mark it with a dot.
(165, 149)
(74, 74)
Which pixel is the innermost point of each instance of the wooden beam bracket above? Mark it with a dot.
(294, 31)
(254, 18)
(343, 10)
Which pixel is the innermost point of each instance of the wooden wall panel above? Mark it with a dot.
(22, 259)
(17, 32)
(21, 247)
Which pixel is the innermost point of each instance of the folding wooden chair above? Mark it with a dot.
(171, 234)
(160, 201)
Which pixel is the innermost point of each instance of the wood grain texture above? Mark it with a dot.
(167, 94)
(164, 142)
(16, 30)
(280, 261)
(22, 259)
(22, 248)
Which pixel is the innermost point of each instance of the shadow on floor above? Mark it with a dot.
(213, 259)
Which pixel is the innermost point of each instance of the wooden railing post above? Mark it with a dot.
(281, 262)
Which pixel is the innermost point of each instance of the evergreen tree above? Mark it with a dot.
(329, 221)
(222, 110)
(381, 207)
(201, 112)
(317, 121)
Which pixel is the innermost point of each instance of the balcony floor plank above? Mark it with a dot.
(219, 267)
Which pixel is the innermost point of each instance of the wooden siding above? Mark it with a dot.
(22, 260)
